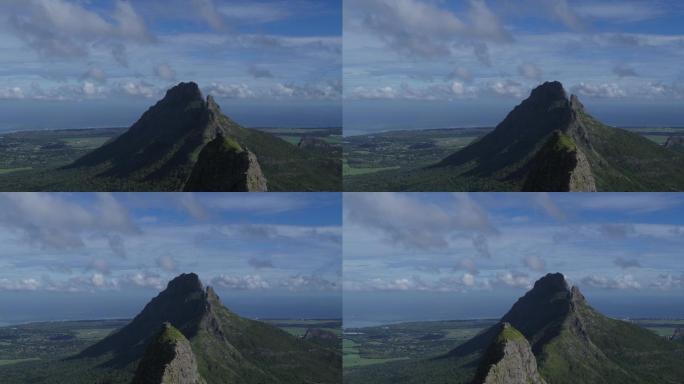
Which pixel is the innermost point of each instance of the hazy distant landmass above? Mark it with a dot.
(549, 137)
(160, 150)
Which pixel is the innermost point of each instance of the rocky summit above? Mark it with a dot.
(168, 360)
(162, 146)
(508, 360)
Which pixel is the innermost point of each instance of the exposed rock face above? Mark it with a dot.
(675, 142)
(224, 166)
(509, 360)
(560, 166)
(168, 360)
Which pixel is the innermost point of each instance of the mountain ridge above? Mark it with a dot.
(160, 150)
(228, 348)
(572, 343)
(548, 142)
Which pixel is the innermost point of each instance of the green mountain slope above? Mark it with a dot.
(571, 341)
(159, 151)
(227, 348)
(613, 159)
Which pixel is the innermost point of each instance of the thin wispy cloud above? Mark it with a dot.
(609, 53)
(622, 246)
(127, 52)
(76, 243)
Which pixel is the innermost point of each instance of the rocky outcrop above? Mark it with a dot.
(509, 360)
(224, 166)
(675, 142)
(560, 166)
(168, 360)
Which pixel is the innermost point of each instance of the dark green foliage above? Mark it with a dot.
(289, 168)
(625, 161)
(446, 370)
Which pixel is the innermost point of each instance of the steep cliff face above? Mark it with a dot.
(560, 166)
(509, 360)
(224, 166)
(168, 360)
(675, 143)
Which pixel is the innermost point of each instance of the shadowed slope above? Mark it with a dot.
(522, 153)
(159, 151)
(572, 344)
(228, 348)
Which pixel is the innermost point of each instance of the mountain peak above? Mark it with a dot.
(184, 91)
(550, 90)
(185, 282)
(523, 131)
(541, 311)
(552, 282)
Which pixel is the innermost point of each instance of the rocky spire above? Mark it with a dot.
(224, 166)
(508, 360)
(168, 359)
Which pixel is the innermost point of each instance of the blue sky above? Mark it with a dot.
(450, 256)
(117, 57)
(70, 256)
(449, 63)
